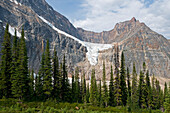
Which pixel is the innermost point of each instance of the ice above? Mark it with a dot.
(92, 48)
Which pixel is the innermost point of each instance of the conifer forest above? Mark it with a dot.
(49, 90)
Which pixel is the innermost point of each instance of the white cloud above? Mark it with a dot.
(104, 14)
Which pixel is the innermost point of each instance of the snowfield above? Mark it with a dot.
(92, 48)
(14, 1)
(12, 32)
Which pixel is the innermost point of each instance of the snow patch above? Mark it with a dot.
(14, 1)
(12, 32)
(92, 48)
(1, 21)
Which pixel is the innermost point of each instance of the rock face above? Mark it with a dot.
(139, 43)
(25, 12)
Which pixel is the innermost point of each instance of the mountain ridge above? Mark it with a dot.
(139, 43)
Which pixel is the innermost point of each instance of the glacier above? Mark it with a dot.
(92, 48)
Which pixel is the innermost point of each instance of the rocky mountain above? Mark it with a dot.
(27, 13)
(41, 22)
(139, 43)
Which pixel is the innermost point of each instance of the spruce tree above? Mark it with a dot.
(154, 96)
(100, 93)
(73, 89)
(40, 79)
(88, 93)
(39, 88)
(104, 88)
(123, 80)
(81, 90)
(141, 91)
(77, 85)
(93, 90)
(5, 65)
(148, 91)
(111, 89)
(14, 63)
(129, 99)
(159, 95)
(117, 89)
(21, 87)
(56, 78)
(31, 84)
(167, 100)
(128, 82)
(84, 89)
(65, 88)
(134, 88)
(47, 79)
(165, 90)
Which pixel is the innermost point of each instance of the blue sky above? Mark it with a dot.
(102, 15)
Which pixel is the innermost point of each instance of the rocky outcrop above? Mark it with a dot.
(37, 32)
(139, 43)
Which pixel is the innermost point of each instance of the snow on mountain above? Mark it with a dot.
(12, 31)
(92, 48)
(14, 1)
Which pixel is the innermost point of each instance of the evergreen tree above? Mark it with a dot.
(81, 90)
(134, 88)
(153, 105)
(14, 63)
(65, 88)
(5, 64)
(56, 78)
(104, 88)
(73, 89)
(100, 94)
(31, 84)
(84, 89)
(148, 91)
(128, 82)
(129, 100)
(39, 88)
(96, 96)
(167, 100)
(141, 90)
(122, 80)
(159, 95)
(93, 91)
(111, 89)
(165, 90)
(20, 85)
(47, 79)
(77, 85)
(88, 94)
(40, 79)
(117, 90)
(61, 80)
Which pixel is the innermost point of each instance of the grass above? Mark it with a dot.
(14, 106)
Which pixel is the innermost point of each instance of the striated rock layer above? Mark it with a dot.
(26, 13)
(139, 43)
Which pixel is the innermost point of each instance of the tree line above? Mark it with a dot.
(125, 89)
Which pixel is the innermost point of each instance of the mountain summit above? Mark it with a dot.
(41, 22)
